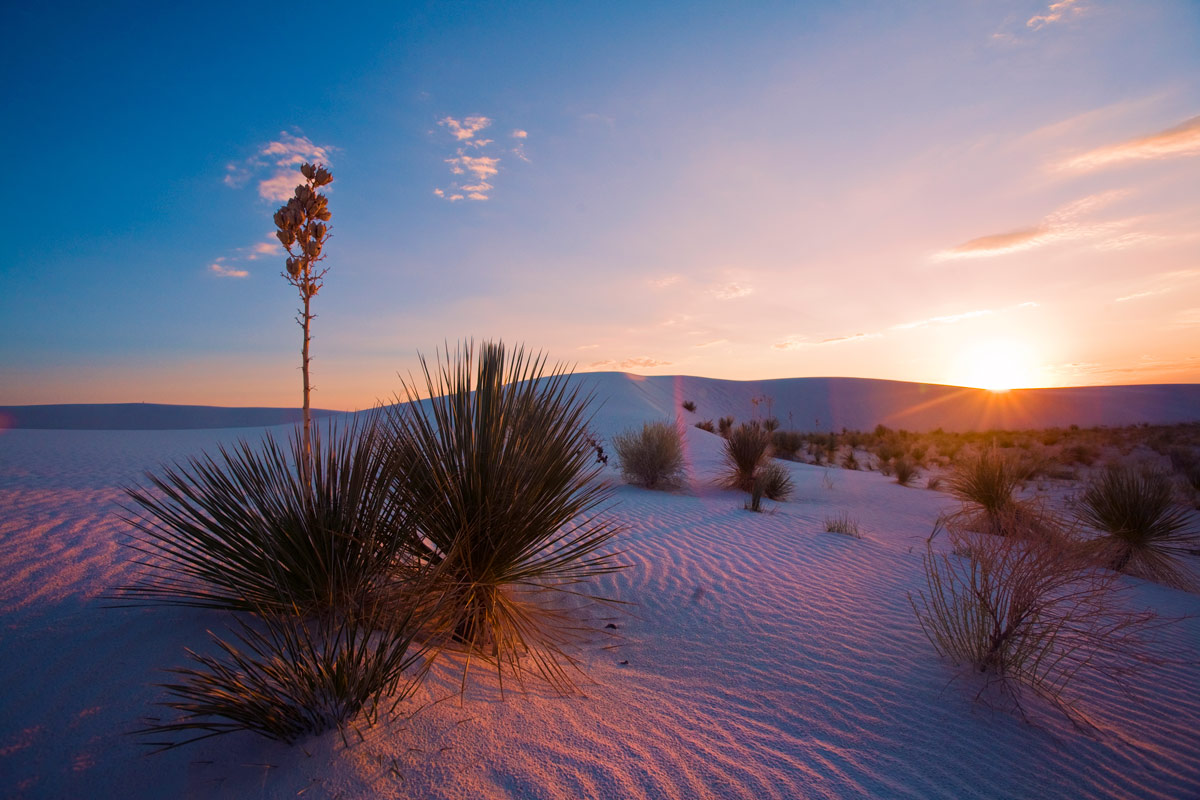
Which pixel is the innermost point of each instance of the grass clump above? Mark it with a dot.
(651, 457)
(747, 449)
(986, 484)
(786, 444)
(1027, 612)
(688, 405)
(1143, 531)
(495, 474)
(254, 530)
(287, 677)
(844, 524)
(706, 425)
(906, 471)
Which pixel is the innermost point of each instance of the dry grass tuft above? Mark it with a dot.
(651, 457)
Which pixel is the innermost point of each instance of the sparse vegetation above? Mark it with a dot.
(905, 470)
(1144, 532)
(724, 426)
(747, 448)
(786, 444)
(986, 484)
(688, 405)
(775, 480)
(651, 457)
(706, 425)
(844, 524)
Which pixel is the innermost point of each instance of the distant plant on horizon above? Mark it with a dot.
(494, 471)
(688, 405)
(905, 470)
(707, 425)
(1026, 611)
(786, 444)
(302, 231)
(1144, 532)
(651, 457)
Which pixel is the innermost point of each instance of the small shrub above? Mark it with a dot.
(776, 481)
(286, 677)
(724, 426)
(850, 461)
(706, 425)
(652, 457)
(786, 444)
(688, 405)
(1027, 611)
(747, 447)
(844, 524)
(985, 483)
(770, 424)
(1144, 531)
(934, 483)
(906, 471)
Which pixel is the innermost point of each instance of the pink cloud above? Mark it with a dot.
(1181, 140)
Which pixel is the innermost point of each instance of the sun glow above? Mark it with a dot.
(997, 365)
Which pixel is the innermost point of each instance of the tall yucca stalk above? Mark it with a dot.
(254, 530)
(495, 473)
(1144, 531)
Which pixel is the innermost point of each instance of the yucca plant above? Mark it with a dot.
(653, 456)
(775, 480)
(495, 473)
(906, 471)
(986, 484)
(747, 448)
(786, 443)
(286, 676)
(1144, 532)
(253, 531)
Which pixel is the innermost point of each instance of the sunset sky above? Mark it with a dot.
(994, 194)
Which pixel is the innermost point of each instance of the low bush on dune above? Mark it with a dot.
(651, 457)
(1143, 531)
(906, 471)
(775, 480)
(747, 449)
(986, 484)
(287, 677)
(494, 473)
(844, 524)
(254, 530)
(786, 444)
(1028, 611)
(724, 425)
(706, 425)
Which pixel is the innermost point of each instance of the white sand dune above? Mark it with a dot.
(766, 658)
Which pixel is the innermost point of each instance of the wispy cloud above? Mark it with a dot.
(477, 170)
(630, 363)
(1054, 13)
(1164, 283)
(1067, 223)
(665, 281)
(799, 342)
(730, 291)
(221, 271)
(263, 249)
(1181, 140)
(281, 158)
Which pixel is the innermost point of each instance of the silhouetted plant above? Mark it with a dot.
(986, 484)
(775, 480)
(706, 425)
(747, 447)
(495, 473)
(1144, 532)
(287, 677)
(251, 531)
(786, 444)
(651, 457)
(905, 470)
(688, 405)
(303, 233)
(844, 524)
(724, 425)
(770, 424)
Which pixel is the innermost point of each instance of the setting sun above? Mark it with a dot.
(998, 365)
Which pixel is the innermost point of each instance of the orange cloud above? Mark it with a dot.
(221, 271)
(1054, 13)
(467, 128)
(1182, 140)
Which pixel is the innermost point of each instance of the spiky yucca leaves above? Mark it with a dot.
(775, 480)
(1028, 610)
(986, 484)
(652, 457)
(495, 472)
(251, 531)
(287, 677)
(747, 448)
(1144, 531)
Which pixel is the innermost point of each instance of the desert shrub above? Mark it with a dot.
(1144, 532)
(775, 480)
(906, 471)
(253, 530)
(724, 425)
(1027, 611)
(786, 444)
(770, 424)
(844, 524)
(747, 447)
(1081, 453)
(706, 425)
(850, 461)
(688, 405)
(287, 677)
(986, 484)
(495, 474)
(934, 483)
(651, 457)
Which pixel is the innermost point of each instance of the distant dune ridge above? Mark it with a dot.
(145, 417)
(799, 403)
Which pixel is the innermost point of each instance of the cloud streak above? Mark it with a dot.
(281, 158)
(1181, 140)
(477, 170)
(1054, 13)
(630, 363)
(222, 271)
(801, 342)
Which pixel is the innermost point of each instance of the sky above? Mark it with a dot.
(995, 193)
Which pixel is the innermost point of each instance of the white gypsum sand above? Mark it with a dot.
(766, 658)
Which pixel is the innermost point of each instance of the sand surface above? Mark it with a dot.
(766, 659)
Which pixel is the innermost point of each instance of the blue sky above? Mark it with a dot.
(983, 193)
